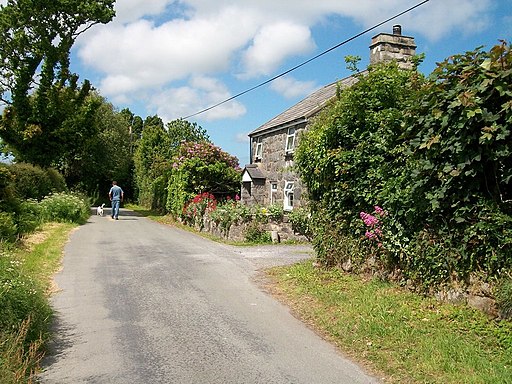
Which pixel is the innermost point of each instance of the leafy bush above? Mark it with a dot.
(254, 233)
(7, 191)
(300, 218)
(199, 168)
(32, 182)
(8, 228)
(436, 154)
(58, 182)
(21, 299)
(333, 246)
(29, 216)
(503, 294)
(230, 212)
(194, 211)
(62, 207)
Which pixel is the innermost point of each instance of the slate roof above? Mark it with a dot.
(254, 172)
(307, 107)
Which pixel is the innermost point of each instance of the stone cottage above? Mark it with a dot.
(270, 178)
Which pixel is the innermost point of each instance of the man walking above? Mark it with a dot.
(116, 195)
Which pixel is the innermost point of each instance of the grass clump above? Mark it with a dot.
(25, 283)
(403, 336)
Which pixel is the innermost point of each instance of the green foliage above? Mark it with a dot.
(202, 167)
(21, 298)
(105, 155)
(49, 116)
(275, 212)
(31, 182)
(62, 207)
(300, 218)
(153, 158)
(254, 233)
(8, 199)
(503, 295)
(177, 196)
(230, 212)
(460, 159)
(436, 154)
(354, 148)
(8, 228)
(57, 180)
(195, 210)
(332, 244)
(29, 217)
(180, 131)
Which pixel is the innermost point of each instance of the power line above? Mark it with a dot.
(307, 61)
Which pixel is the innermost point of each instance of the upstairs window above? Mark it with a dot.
(288, 196)
(259, 149)
(290, 140)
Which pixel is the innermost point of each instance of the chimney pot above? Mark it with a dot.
(397, 29)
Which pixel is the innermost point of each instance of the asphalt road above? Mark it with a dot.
(140, 302)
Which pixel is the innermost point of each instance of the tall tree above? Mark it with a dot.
(35, 42)
(180, 131)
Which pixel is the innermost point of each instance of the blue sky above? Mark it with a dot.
(175, 58)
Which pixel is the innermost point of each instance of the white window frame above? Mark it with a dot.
(258, 153)
(290, 140)
(273, 191)
(288, 196)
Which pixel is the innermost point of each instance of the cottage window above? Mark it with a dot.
(288, 196)
(290, 140)
(273, 191)
(259, 149)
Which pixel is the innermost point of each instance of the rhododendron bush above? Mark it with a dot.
(199, 168)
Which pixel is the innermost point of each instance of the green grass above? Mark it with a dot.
(25, 313)
(43, 258)
(397, 334)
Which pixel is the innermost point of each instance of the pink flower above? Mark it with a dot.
(369, 220)
(379, 211)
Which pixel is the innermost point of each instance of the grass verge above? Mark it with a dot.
(401, 336)
(26, 278)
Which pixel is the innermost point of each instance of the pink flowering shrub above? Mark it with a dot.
(207, 152)
(373, 224)
(199, 167)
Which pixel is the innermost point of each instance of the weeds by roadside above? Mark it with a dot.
(26, 271)
(408, 338)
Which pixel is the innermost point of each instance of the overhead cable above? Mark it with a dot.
(307, 61)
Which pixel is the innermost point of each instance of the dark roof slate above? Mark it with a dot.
(307, 107)
(254, 171)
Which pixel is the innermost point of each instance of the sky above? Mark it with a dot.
(173, 58)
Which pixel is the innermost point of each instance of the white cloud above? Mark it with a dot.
(152, 55)
(242, 138)
(131, 10)
(154, 45)
(292, 88)
(273, 44)
(201, 93)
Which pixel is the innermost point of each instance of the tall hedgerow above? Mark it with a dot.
(353, 152)
(429, 159)
(460, 142)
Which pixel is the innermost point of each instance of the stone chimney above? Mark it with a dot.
(387, 47)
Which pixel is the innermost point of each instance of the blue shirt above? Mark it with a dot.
(116, 192)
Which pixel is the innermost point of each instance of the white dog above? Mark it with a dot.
(99, 210)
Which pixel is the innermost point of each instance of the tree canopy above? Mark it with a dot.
(47, 112)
